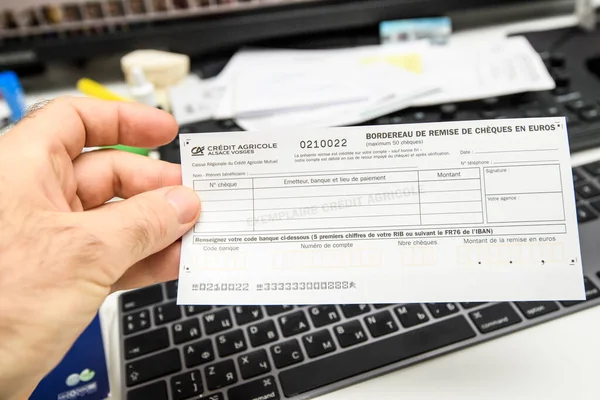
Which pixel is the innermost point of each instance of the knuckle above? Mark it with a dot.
(148, 227)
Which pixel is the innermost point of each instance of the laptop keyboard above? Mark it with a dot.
(276, 352)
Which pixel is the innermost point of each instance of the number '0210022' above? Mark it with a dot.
(323, 143)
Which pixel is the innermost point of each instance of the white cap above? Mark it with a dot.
(141, 89)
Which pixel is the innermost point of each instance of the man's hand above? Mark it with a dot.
(63, 249)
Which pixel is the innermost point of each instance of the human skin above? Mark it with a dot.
(63, 248)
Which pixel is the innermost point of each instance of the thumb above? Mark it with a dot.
(145, 224)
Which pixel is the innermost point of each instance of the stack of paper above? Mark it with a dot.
(263, 89)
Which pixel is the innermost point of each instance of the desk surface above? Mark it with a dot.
(556, 360)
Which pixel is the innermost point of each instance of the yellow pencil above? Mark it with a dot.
(95, 89)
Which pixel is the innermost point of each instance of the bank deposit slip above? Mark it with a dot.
(432, 212)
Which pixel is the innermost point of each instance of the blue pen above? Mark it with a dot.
(12, 92)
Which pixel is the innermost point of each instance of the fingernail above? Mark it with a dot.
(185, 202)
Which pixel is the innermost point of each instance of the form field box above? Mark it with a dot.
(335, 179)
(225, 205)
(459, 218)
(336, 190)
(225, 195)
(214, 227)
(225, 216)
(441, 208)
(447, 197)
(329, 202)
(523, 179)
(450, 185)
(333, 223)
(351, 211)
(223, 184)
(530, 207)
(449, 174)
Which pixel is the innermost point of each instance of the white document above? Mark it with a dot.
(457, 211)
(472, 71)
(296, 82)
(279, 88)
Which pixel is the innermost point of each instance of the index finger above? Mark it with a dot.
(86, 122)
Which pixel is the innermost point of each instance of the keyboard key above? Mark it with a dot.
(352, 310)
(152, 367)
(533, 309)
(246, 314)
(591, 292)
(323, 315)
(141, 298)
(590, 114)
(468, 306)
(346, 364)
(419, 116)
(577, 105)
(448, 111)
(167, 313)
(411, 315)
(593, 168)
(294, 323)
(573, 121)
(228, 123)
(193, 310)
(156, 390)
(318, 343)
(231, 343)
(558, 60)
(383, 121)
(136, 321)
(220, 375)
(380, 306)
(494, 317)
(595, 205)
(274, 310)
(215, 396)
(254, 364)
(577, 177)
(534, 113)
(439, 310)
(198, 353)
(171, 288)
(584, 214)
(264, 388)
(286, 353)
(350, 333)
(381, 324)
(217, 321)
(186, 330)
(139, 345)
(587, 190)
(262, 333)
(186, 385)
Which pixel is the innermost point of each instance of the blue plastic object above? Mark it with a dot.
(12, 92)
(82, 374)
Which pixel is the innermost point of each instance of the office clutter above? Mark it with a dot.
(83, 371)
(161, 68)
(12, 93)
(266, 89)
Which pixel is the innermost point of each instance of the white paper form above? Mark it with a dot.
(364, 83)
(457, 211)
(479, 70)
